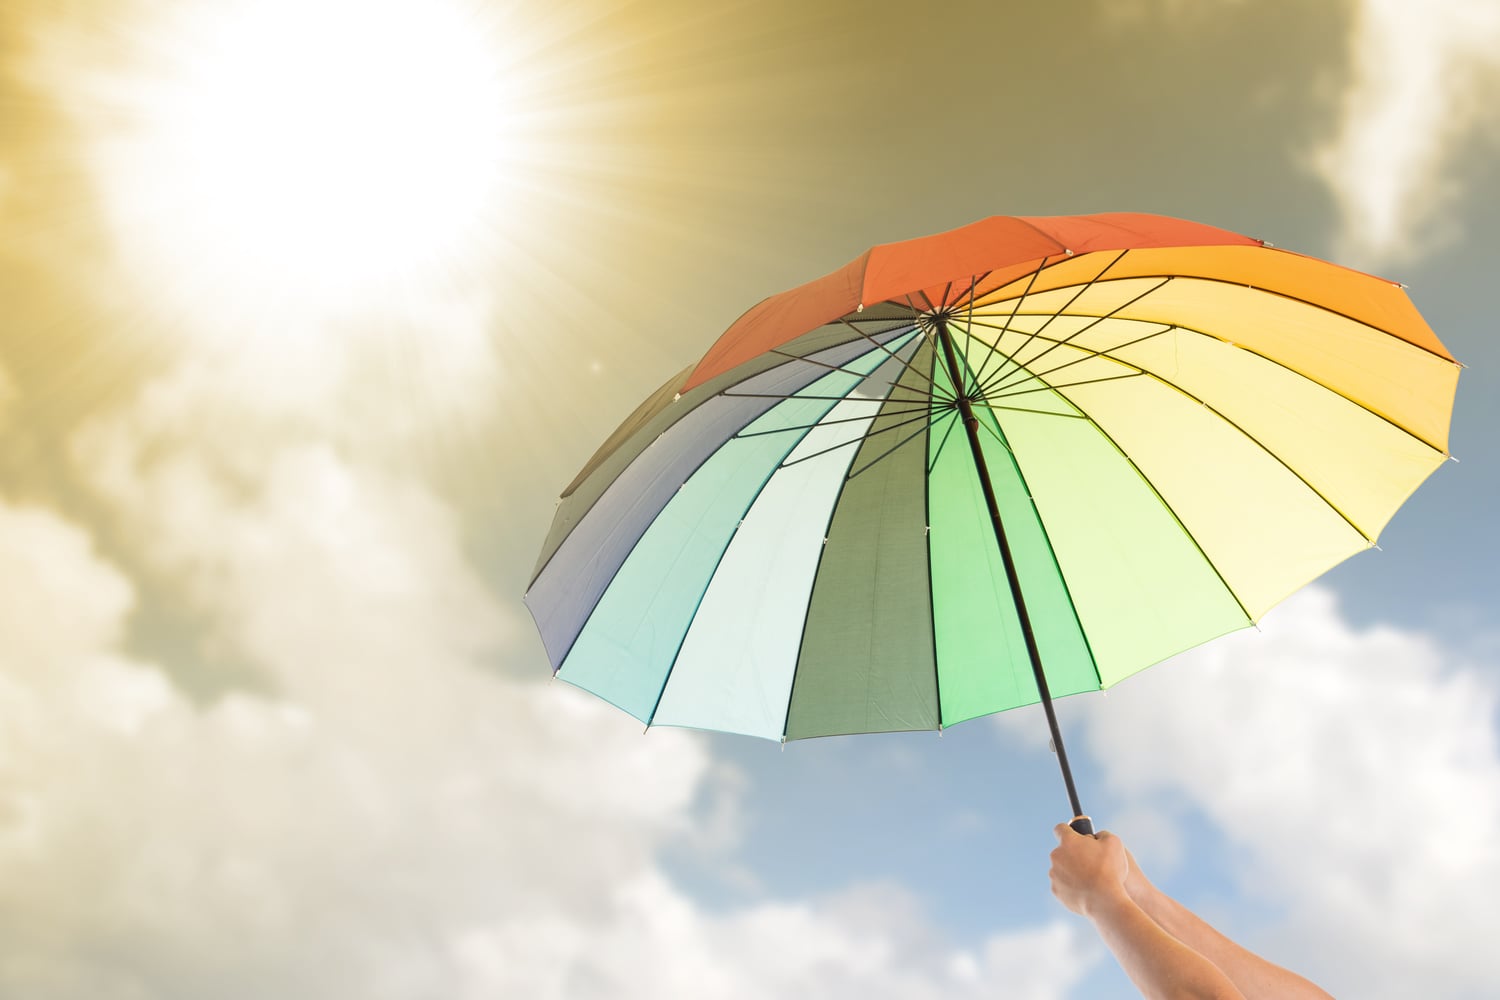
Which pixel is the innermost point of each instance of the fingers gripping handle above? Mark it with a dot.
(1083, 825)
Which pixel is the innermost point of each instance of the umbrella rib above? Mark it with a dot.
(898, 445)
(993, 295)
(921, 398)
(974, 284)
(785, 464)
(969, 305)
(828, 423)
(1310, 303)
(1015, 307)
(799, 395)
(699, 465)
(968, 298)
(635, 444)
(974, 280)
(997, 294)
(1031, 410)
(905, 364)
(924, 325)
(953, 415)
(1249, 350)
(821, 364)
(998, 439)
(991, 391)
(1010, 358)
(969, 310)
(1064, 385)
(1248, 436)
(1055, 344)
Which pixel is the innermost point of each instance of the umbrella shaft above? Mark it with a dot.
(971, 427)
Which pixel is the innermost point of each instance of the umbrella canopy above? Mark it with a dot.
(884, 500)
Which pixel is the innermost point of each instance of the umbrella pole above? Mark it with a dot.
(1080, 822)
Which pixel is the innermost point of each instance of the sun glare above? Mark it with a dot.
(314, 157)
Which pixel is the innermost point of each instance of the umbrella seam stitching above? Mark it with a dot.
(832, 510)
(998, 433)
(1165, 506)
(676, 656)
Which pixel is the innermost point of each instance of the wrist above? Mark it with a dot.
(1105, 900)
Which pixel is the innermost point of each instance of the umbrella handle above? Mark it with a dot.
(1083, 825)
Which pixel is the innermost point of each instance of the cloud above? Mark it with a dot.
(1354, 775)
(775, 949)
(388, 817)
(328, 840)
(1422, 77)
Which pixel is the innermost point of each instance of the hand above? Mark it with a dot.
(1088, 871)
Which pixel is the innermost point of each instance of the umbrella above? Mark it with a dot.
(1022, 459)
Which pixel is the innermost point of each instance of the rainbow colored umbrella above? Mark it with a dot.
(1025, 458)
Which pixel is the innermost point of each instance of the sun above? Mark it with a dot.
(312, 158)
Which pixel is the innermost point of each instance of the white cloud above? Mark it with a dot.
(59, 615)
(1423, 76)
(670, 948)
(392, 819)
(1355, 776)
(329, 840)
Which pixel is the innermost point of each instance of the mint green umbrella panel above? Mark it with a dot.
(1026, 458)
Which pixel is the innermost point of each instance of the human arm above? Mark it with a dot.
(1255, 977)
(1088, 877)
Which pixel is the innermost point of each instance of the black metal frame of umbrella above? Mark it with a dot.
(1080, 822)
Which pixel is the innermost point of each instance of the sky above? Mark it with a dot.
(308, 311)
